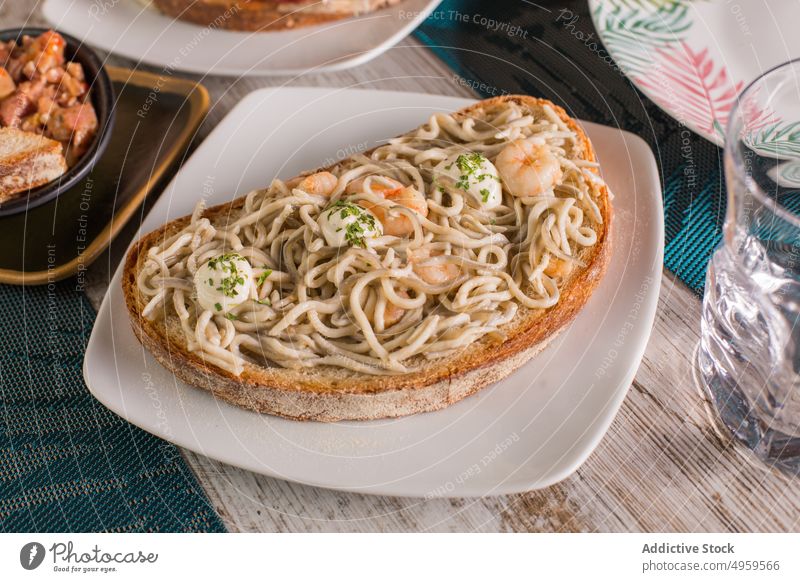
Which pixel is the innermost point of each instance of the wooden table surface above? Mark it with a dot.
(662, 467)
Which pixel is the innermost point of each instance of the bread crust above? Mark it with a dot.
(316, 395)
(38, 161)
(252, 15)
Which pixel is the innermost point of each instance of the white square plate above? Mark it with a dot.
(142, 33)
(528, 431)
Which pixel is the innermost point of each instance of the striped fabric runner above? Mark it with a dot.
(68, 464)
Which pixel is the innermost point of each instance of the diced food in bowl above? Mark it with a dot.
(42, 93)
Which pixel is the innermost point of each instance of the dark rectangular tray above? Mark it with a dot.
(155, 121)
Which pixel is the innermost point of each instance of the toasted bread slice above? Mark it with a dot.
(266, 15)
(27, 160)
(328, 394)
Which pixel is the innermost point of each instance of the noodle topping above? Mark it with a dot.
(385, 261)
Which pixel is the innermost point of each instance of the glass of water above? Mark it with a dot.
(750, 348)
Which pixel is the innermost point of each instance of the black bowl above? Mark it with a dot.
(101, 93)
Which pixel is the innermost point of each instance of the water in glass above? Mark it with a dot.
(750, 344)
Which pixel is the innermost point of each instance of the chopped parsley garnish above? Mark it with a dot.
(469, 164)
(263, 301)
(470, 167)
(263, 277)
(231, 316)
(218, 307)
(356, 231)
(226, 258)
(229, 284)
(227, 264)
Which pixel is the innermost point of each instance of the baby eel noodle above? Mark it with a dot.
(366, 308)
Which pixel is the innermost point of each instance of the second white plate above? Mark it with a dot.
(530, 430)
(694, 58)
(128, 28)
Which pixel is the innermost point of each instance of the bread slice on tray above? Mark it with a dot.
(327, 387)
(27, 160)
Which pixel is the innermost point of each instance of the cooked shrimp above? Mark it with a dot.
(558, 268)
(319, 184)
(528, 168)
(379, 185)
(393, 313)
(394, 223)
(434, 274)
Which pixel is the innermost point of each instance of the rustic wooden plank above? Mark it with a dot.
(662, 466)
(250, 502)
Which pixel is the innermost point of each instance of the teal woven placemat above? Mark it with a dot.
(68, 464)
(552, 50)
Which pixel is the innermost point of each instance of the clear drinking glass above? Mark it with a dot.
(750, 348)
